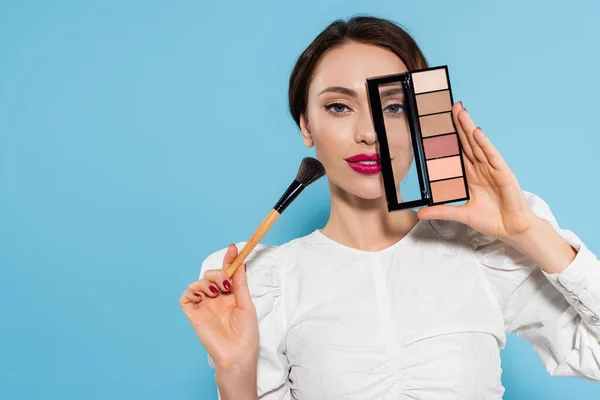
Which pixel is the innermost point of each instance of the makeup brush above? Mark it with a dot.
(310, 170)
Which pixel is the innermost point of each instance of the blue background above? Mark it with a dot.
(136, 137)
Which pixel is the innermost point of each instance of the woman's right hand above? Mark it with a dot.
(223, 316)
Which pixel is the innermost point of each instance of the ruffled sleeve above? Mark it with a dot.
(264, 276)
(558, 314)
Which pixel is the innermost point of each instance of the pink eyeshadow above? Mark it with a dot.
(441, 146)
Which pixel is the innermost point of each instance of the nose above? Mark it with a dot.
(365, 131)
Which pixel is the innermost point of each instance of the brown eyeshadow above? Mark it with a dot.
(448, 190)
(435, 102)
(437, 124)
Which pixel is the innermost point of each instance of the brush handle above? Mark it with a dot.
(256, 237)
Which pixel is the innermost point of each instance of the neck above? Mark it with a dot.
(365, 224)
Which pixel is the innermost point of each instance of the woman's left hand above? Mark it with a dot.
(497, 206)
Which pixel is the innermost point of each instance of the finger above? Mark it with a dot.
(469, 128)
(466, 147)
(446, 213)
(230, 256)
(184, 301)
(205, 286)
(219, 278)
(241, 291)
(190, 307)
(192, 296)
(491, 153)
(189, 301)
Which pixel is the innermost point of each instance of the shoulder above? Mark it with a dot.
(266, 270)
(262, 257)
(266, 263)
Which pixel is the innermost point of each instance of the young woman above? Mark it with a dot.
(380, 305)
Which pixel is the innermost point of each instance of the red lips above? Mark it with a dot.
(367, 164)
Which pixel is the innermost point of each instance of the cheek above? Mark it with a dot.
(399, 140)
(332, 135)
(400, 143)
(398, 134)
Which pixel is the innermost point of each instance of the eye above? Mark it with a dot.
(395, 108)
(337, 108)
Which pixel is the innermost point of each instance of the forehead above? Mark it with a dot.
(351, 64)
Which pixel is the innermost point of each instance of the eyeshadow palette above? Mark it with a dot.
(419, 148)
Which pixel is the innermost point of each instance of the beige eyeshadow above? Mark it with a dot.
(435, 102)
(443, 168)
(428, 81)
(448, 190)
(437, 124)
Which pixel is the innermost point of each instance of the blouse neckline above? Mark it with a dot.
(407, 238)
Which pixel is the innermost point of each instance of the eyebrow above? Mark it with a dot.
(391, 92)
(339, 89)
(352, 93)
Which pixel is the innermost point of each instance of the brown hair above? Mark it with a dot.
(370, 30)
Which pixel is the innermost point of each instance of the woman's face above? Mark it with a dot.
(338, 119)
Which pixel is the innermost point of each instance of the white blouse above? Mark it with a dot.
(422, 319)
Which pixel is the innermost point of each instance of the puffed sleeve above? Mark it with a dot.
(264, 276)
(558, 314)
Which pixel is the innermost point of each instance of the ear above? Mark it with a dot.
(306, 133)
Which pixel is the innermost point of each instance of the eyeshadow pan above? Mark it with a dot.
(437, 124)
(428, 81)
(443, 168)
(435, 102)
(441, 146)
(448, 190)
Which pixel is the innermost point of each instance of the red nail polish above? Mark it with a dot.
(197, 294)
(227, 285)
(214, 289)
(245, 268)
(461, 105)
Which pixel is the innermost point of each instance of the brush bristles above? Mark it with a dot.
(310, 170)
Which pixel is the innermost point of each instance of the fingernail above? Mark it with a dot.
(226, 284)
(245, 267)
(197, 294)
(214, 289)
(461, 105)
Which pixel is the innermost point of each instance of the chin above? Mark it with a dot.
(367, 189)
